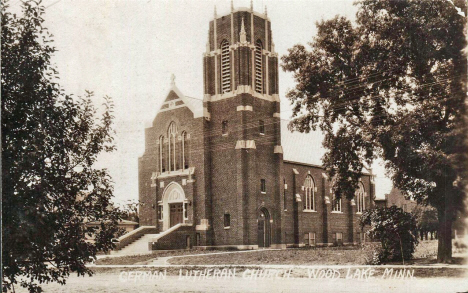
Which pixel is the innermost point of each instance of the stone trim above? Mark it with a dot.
(180, 172)
(245, 144)
(278, 149)
(204, 225)
(241, 89)
(277, 115)
(244, 108)
(206, 114)
(298, 197)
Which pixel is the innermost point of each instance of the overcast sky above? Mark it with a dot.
(129, 49)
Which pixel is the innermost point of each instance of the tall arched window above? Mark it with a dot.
(162, 161)
(258, 67)
(225, 67)
(359, 196)
(172, 135)
(336, 204)
(184, 148)
(309, 189)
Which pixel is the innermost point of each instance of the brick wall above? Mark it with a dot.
(324, 222)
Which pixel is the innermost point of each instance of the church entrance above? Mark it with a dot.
(264, 228)
(174, 205)
(176, 213)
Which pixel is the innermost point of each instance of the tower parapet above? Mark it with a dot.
(240, 53)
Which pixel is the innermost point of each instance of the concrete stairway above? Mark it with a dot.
(137, 241)
(139, 246)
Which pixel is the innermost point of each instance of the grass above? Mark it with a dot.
(138, 259)
(297, 256)
(425, 253)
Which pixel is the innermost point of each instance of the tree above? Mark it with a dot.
(50, 142)
(391, 86)
(130, 211)
(426, 219)
(395, 229)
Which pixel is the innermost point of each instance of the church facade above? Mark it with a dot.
(224, 170)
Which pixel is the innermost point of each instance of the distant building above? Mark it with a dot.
(225, 170)
(125, 225)
(396, 198)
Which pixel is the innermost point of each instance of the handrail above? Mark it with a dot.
(173, 228)
(137, 230)
(131, 236)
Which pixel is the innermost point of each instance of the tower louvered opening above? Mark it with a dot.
(225, 67)
(258, 67)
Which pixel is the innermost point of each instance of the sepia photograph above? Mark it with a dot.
(234, 146)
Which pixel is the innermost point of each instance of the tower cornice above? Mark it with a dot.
(242, 9)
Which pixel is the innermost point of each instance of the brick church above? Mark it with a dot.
(224, 170)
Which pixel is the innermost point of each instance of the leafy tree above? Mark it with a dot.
(426, 219)
(395, 229)
(130, 211)
(392, 86)
(50, 142)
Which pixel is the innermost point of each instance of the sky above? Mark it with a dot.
(128, 50)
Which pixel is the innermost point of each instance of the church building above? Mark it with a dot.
(223, 170)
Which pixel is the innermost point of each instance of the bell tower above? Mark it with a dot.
(242, 136)
(240, 52)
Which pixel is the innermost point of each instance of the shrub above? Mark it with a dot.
(372, 253)
(395, 229)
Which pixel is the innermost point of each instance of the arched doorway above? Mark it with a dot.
(264, 228)
(174, 205)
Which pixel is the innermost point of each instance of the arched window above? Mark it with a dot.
(172, 135)
(336, 204)
(184, 150)
(225, 67)
(258, 67)
(359, 196)
(162, 161)
(309, 189)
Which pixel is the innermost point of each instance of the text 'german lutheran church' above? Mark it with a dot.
(225, 170)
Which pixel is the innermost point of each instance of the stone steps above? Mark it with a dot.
(139, 246)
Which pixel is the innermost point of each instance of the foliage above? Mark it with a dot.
(50, 142)
(395, 229)
(392, 86)
(426, 219)
(372, 253)
(130, 211)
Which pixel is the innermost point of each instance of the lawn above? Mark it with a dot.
(425, 253)
(297, 256)
(138, 259)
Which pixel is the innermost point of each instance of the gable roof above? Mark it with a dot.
(195, 105)
(301, 147)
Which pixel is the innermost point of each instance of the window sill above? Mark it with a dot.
(309, 211)
(263, 192)
(262, 133)
(180, 172)
(227, 228)
(336, 212)
(224, 134)
(359, 213)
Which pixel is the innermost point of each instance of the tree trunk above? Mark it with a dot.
(444, 249)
